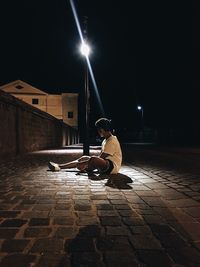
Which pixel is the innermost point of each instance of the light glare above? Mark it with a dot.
(85, 49)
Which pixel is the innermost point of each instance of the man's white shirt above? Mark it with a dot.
(112, 147)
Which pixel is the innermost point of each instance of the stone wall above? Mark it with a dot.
(24, 128)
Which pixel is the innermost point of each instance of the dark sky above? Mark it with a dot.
(141, 54)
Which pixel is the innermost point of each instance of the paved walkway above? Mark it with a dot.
(148, 217)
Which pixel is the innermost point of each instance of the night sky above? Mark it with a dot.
(141, 54)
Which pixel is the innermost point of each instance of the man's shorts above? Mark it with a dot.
(109, 168)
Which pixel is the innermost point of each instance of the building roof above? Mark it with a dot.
(21, 87)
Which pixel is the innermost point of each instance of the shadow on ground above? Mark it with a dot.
(119, 180)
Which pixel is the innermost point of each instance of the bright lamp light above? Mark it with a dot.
(85, 49)
(139, 107)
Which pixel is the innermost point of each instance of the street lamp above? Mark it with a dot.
(85, 51)
(140, 108)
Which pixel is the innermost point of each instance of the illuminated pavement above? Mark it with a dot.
(64, 219)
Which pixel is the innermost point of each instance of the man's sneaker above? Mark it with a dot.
(53, 166)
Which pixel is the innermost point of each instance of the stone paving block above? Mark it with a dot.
(183, 203)
(117, 231)
(99, 197)
(54, 260)
(170, 194)
(37, 232)
(82, 207)
(9, 214)
(193, 211)
(162, 229)
(118, 201)
(153, 219)
(14, 245)
(87, 220)
(6, 207)
(86, 259)
(187, 256)
(43, 207)
(115, 196)
(156, 186)
(107, 213)
(135, 199)
(54, 245)
(192, 193)
(47, 201)
(63, 220)
(113, 243)
(101, 202)
(81, 213)
(79, 244)
(8, 233)
(145, 242)
(127, 213)
(23, 207)
(28, 202)
(140, 187)
(60, 213)
(155, 258)
(90, 231)
(65, 232)
(133, 221)
(119, 259)
(122, 207)
(104, 206)
(84, 197)
(150, 211)
(35, 214)
(141, 206)
(181, 216)
(140, 229)
(13, 223)
(146, 193)
(166, 213)
(171, 240)
(18, 260)
(110, 220)
(63, 206)
(193, 230)
(39, 222)
(154, 201)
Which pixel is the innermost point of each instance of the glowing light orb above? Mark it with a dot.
(85, 49)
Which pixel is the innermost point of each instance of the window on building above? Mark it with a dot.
(35, 101)
(19, 87)
(70, 114)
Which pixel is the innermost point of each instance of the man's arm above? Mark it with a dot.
(104, 155)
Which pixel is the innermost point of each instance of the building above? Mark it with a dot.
(62, 106)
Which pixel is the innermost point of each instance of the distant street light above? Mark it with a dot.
(140, 108)
(85, 51)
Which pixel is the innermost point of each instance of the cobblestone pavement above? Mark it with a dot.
(147, 216)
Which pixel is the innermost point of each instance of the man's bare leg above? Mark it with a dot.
(83, 163)
(75, 163)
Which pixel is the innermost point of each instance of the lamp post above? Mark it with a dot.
(140, 109)
(85, 50)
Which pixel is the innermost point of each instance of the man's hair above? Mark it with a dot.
(103, 123)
